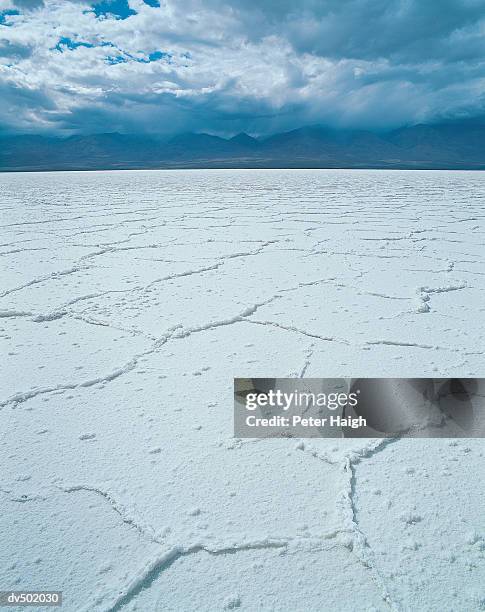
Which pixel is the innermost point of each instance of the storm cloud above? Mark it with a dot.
(258, 66)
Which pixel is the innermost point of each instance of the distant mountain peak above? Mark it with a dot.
(244, 139)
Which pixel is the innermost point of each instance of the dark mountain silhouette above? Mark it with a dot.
(244, 140)
(447, 146)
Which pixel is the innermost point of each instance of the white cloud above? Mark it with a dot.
(224, 69)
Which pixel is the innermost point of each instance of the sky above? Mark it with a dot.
(225, 66)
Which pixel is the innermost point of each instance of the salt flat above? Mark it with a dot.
(130, 300)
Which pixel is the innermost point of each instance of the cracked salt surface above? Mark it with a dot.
(131, 299)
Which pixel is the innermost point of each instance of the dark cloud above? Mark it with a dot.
(28, 4)
(227, 66)
(14, 51)
(406, 30)
(18, 106)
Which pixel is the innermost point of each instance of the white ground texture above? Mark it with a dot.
(130, 300)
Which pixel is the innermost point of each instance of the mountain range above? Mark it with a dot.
(439, 146)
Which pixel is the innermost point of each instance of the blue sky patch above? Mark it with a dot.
(67, 43)
(4, 14)
(119, 8)
(157, 55)
(115, 59)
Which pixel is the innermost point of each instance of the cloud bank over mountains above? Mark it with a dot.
(226, 66)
